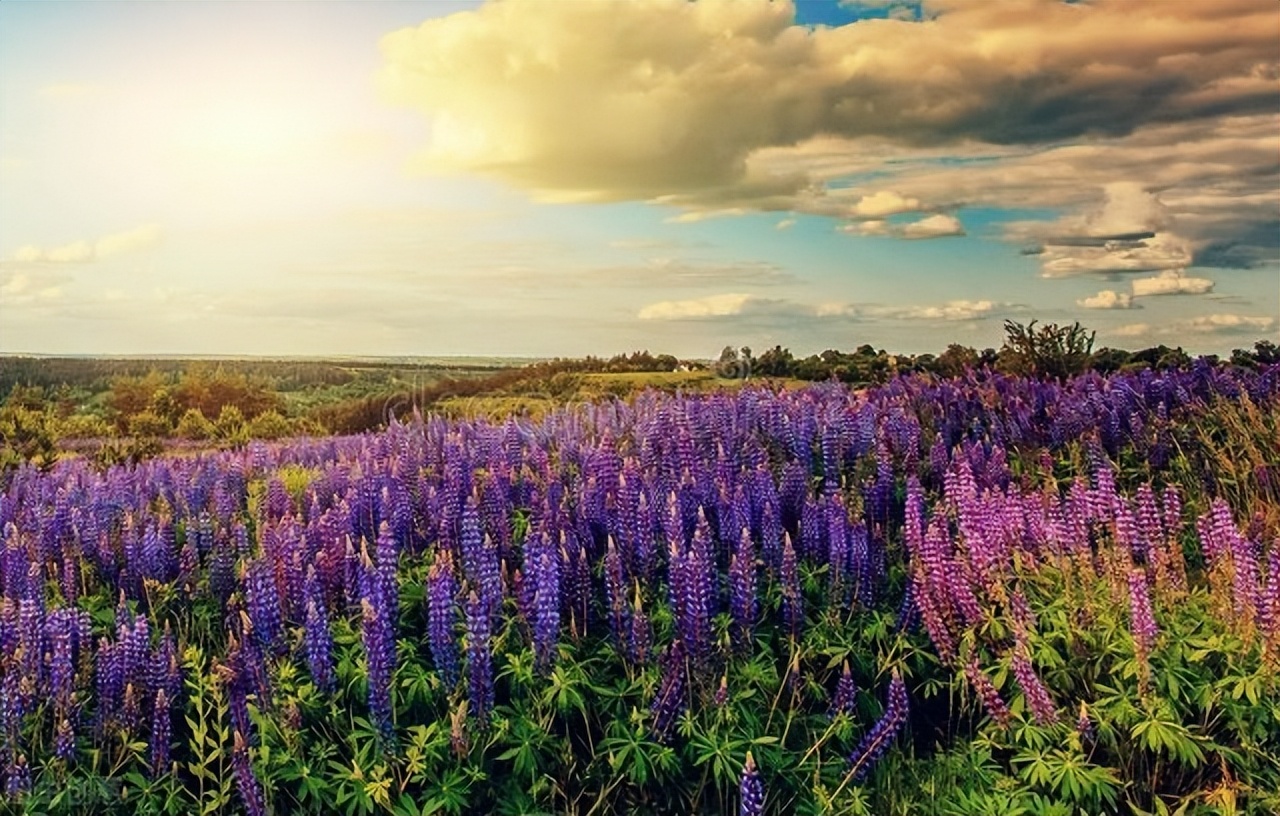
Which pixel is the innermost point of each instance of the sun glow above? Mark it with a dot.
(247, 131)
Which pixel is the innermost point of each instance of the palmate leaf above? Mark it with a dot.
(1171, 738)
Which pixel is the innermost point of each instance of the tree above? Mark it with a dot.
(1051, 351)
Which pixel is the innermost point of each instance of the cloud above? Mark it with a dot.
(741, 305)
(118, 243)
(683, 94)
(20, 288)
(883, 203)
(950, 311)
(710, 306)
(694, 216)
(132, 240)
(1108, 299)
(785, 224)
(1171, 283)
(933, 226)
(1202, 325)
(1151, 125)
(1227, 324)
(1129, 232)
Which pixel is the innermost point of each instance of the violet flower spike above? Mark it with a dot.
(877, 741)
(750, 790)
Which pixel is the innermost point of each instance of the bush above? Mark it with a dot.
(269, 425)
(194, 425)
(149, 424)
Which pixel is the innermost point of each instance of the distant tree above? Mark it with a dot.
(955, 360)
(195, 425)
(26, 436)
(149, 424)
(1174, 358)
(269, 425)
(1050, 351)
(230, 423)
(1109, 360)
(776, 362)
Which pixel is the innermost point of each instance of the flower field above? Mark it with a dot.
(985, 595)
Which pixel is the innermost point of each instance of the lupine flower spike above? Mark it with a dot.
(751, 789)
(881, 736)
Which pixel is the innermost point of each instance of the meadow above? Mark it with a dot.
(986, 593)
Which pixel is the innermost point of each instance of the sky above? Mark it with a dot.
(569, 177)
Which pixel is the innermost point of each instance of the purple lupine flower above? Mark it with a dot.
(908, 613)
(262, 602)
(161, 723)
(546, 606)
(18, 778)
(750, 790)
(881, 736)
(378, 633)
(31, 637)
(722, 692)
(165, 672)
(987, 692)
(1033, 689)
(246, 780)
(669, 702)
(641, 637)
(1084, 725)
(742, 590)
(1142, 620)
(442, 616)
(615, 594)
(319, 643)
(845, 697)
(480, 559)
(61, 630)
(1269, 612)
(64, 741)
(792, 600)
(479, 659)
(386, 557)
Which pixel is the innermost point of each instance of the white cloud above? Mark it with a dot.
(78, 252)
(1161, 251)
(1227, 324)
(132, 240)
(20, 289)
(683, 93)
(727, 107)
(1171, 283)
(117, 243)
(751, 306)
(933, 226)
(1203, 325)
(882, 203)
(1132, 330)
(785, 224)
(710, 306)
(1107, 299)
(866, 228)
(694, 216)
(949, 311)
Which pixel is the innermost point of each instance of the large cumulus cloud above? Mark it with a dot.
(612, 100)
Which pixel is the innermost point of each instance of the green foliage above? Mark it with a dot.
(1051, 351)
(195, 426)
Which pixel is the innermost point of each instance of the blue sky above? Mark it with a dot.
(536, 177)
